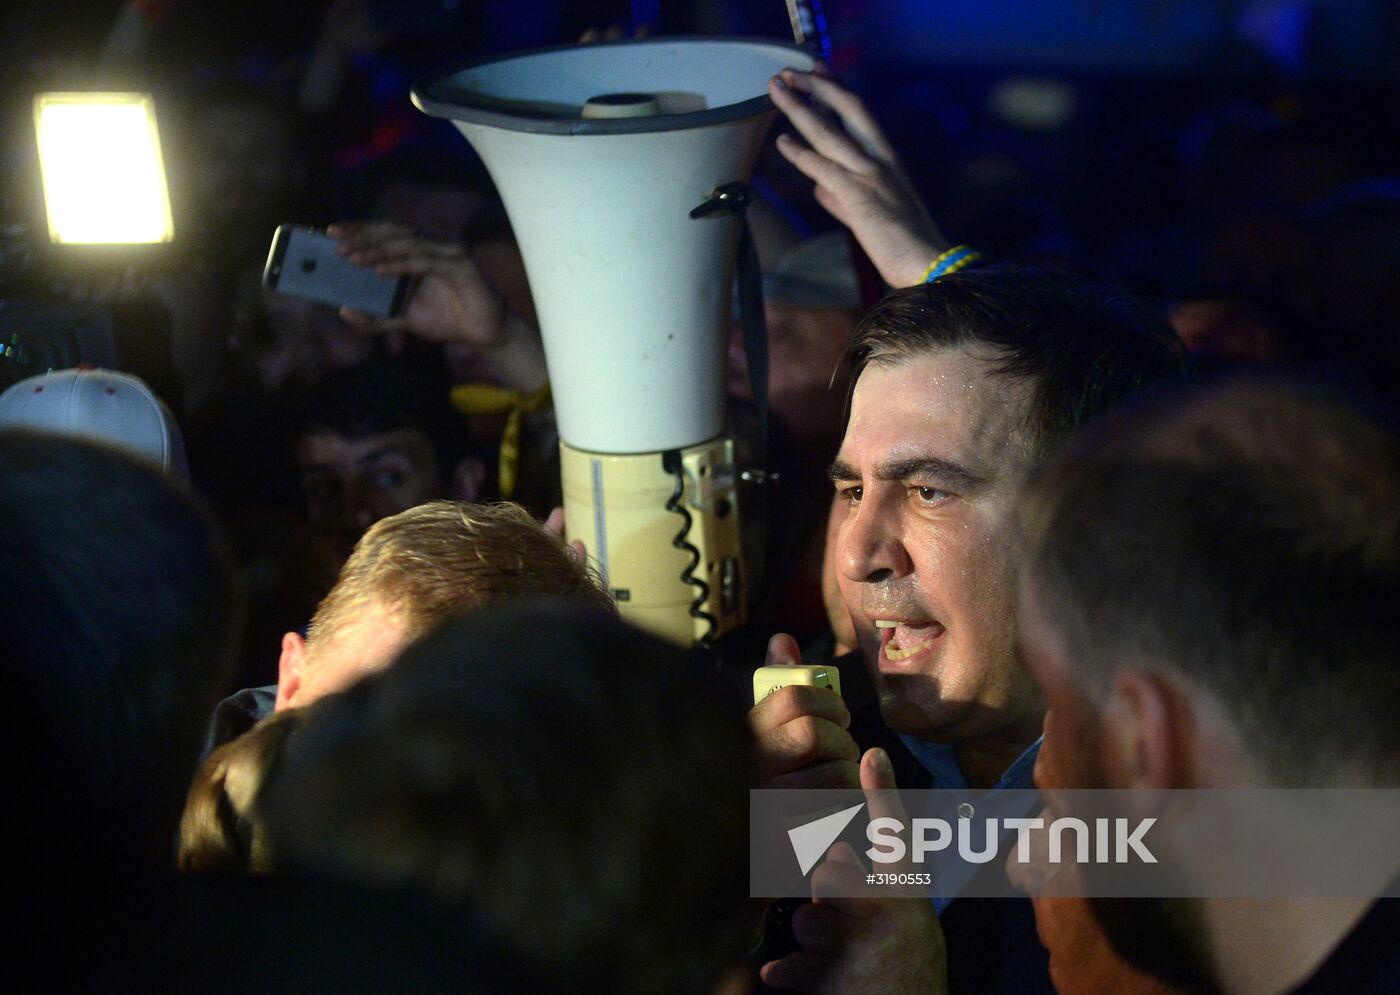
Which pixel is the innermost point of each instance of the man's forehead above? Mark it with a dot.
(951, 403)
(324, 447)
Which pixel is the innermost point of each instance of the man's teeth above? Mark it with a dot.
(897, 648)
(893, 652)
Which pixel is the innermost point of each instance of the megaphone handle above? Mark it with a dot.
(733, 198)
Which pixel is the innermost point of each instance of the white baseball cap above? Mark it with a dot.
(102, 405)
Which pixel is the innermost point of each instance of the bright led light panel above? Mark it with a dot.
(104, 181)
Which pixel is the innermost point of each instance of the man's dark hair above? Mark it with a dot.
(118, 621)
(559, 777)
(1244, 536)
(377, 397)
(1083, 348)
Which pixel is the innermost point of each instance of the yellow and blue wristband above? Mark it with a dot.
(956, 258)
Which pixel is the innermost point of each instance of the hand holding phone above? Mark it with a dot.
(303, 262)
(451, 299)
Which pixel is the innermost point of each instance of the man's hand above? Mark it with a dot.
(859, 178)
(881, 946)
(800, 732)
(452, 300)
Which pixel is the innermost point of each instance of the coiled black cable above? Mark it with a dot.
(671, 463)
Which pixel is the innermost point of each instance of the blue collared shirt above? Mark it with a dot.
(941, 762)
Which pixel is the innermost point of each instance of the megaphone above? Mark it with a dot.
(602, 154)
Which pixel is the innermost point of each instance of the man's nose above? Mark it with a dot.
(358, 511)
(870, 548)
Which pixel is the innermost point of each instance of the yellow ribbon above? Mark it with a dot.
(486, 399)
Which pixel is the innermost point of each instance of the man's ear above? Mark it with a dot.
(289, 669)
(468, 479)
(1147, 732)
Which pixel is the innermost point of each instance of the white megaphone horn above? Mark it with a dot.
(601, 154)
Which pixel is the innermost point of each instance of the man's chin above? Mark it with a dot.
(909, 706)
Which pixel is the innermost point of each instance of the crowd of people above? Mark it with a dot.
(1078, 539)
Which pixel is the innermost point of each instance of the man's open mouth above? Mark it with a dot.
(900, 640)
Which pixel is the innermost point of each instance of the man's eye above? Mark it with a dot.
(853, 494)
(931, 495)
(388, 479)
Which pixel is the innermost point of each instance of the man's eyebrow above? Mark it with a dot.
(925, 467)
(374, 454)
(840, 471)
(930, 468)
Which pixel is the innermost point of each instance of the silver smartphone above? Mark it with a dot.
(303, 263)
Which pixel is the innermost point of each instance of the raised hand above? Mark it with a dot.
(452, 301)
(859, 177)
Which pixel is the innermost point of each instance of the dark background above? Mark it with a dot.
(1168, 115)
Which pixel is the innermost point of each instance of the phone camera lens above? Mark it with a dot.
(308, 265)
